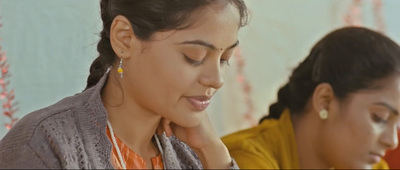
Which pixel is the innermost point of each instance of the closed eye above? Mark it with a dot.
(193, 62)
(224, 61)
(378, 119)
(225, 58)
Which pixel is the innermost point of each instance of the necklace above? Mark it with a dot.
(116, 146)
(122, 162)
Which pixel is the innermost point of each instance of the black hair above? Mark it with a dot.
(146, 17)
(349, 59)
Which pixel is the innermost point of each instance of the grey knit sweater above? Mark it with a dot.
(72, 134)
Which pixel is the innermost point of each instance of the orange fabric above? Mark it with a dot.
(392, 157)
(131, 159)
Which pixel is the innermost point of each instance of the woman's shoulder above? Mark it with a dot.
(381, 165)
(250, 137)
(42, 121)
(58, 135)
(253, 147)
(39, 132)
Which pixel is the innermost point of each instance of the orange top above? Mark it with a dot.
(131, 159)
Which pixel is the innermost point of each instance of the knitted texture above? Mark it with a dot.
(71, 134)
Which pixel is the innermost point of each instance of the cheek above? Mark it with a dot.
(359, 130)
(172, 75)
(349, 137)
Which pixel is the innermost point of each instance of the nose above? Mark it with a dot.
(212, 75)
(390, 138)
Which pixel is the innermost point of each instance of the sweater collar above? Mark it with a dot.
(92, 120)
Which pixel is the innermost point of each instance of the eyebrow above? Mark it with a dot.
(393, 110)
(208, 45)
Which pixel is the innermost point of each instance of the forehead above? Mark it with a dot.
(386, 90)
(215, 24)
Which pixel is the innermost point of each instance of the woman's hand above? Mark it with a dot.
(202, 139)
(197, 137)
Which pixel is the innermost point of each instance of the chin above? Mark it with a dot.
(366, 166)
(188, 121)
(352, 164)
(358, 166)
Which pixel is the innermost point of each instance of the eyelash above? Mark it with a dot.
(223, 61)
(197, 63)
(193, 62)
(377, 119)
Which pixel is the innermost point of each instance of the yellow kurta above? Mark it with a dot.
(270, 145)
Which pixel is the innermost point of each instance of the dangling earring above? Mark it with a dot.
(323, 114)
(120, 70)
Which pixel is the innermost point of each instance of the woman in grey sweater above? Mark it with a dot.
(159, 64)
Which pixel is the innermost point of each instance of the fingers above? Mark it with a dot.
(167, 127)
(164, 126)
(160, 129)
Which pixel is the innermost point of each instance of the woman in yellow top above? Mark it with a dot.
(340, 108)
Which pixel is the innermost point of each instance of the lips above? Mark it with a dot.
(199, 103)
(375, 158)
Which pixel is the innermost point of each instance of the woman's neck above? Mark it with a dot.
(132, 124)
(306, 133)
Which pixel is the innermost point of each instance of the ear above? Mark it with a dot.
(322, 97)
(122, 37)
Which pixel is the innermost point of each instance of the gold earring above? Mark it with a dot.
(323, 114)
(120, 70)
